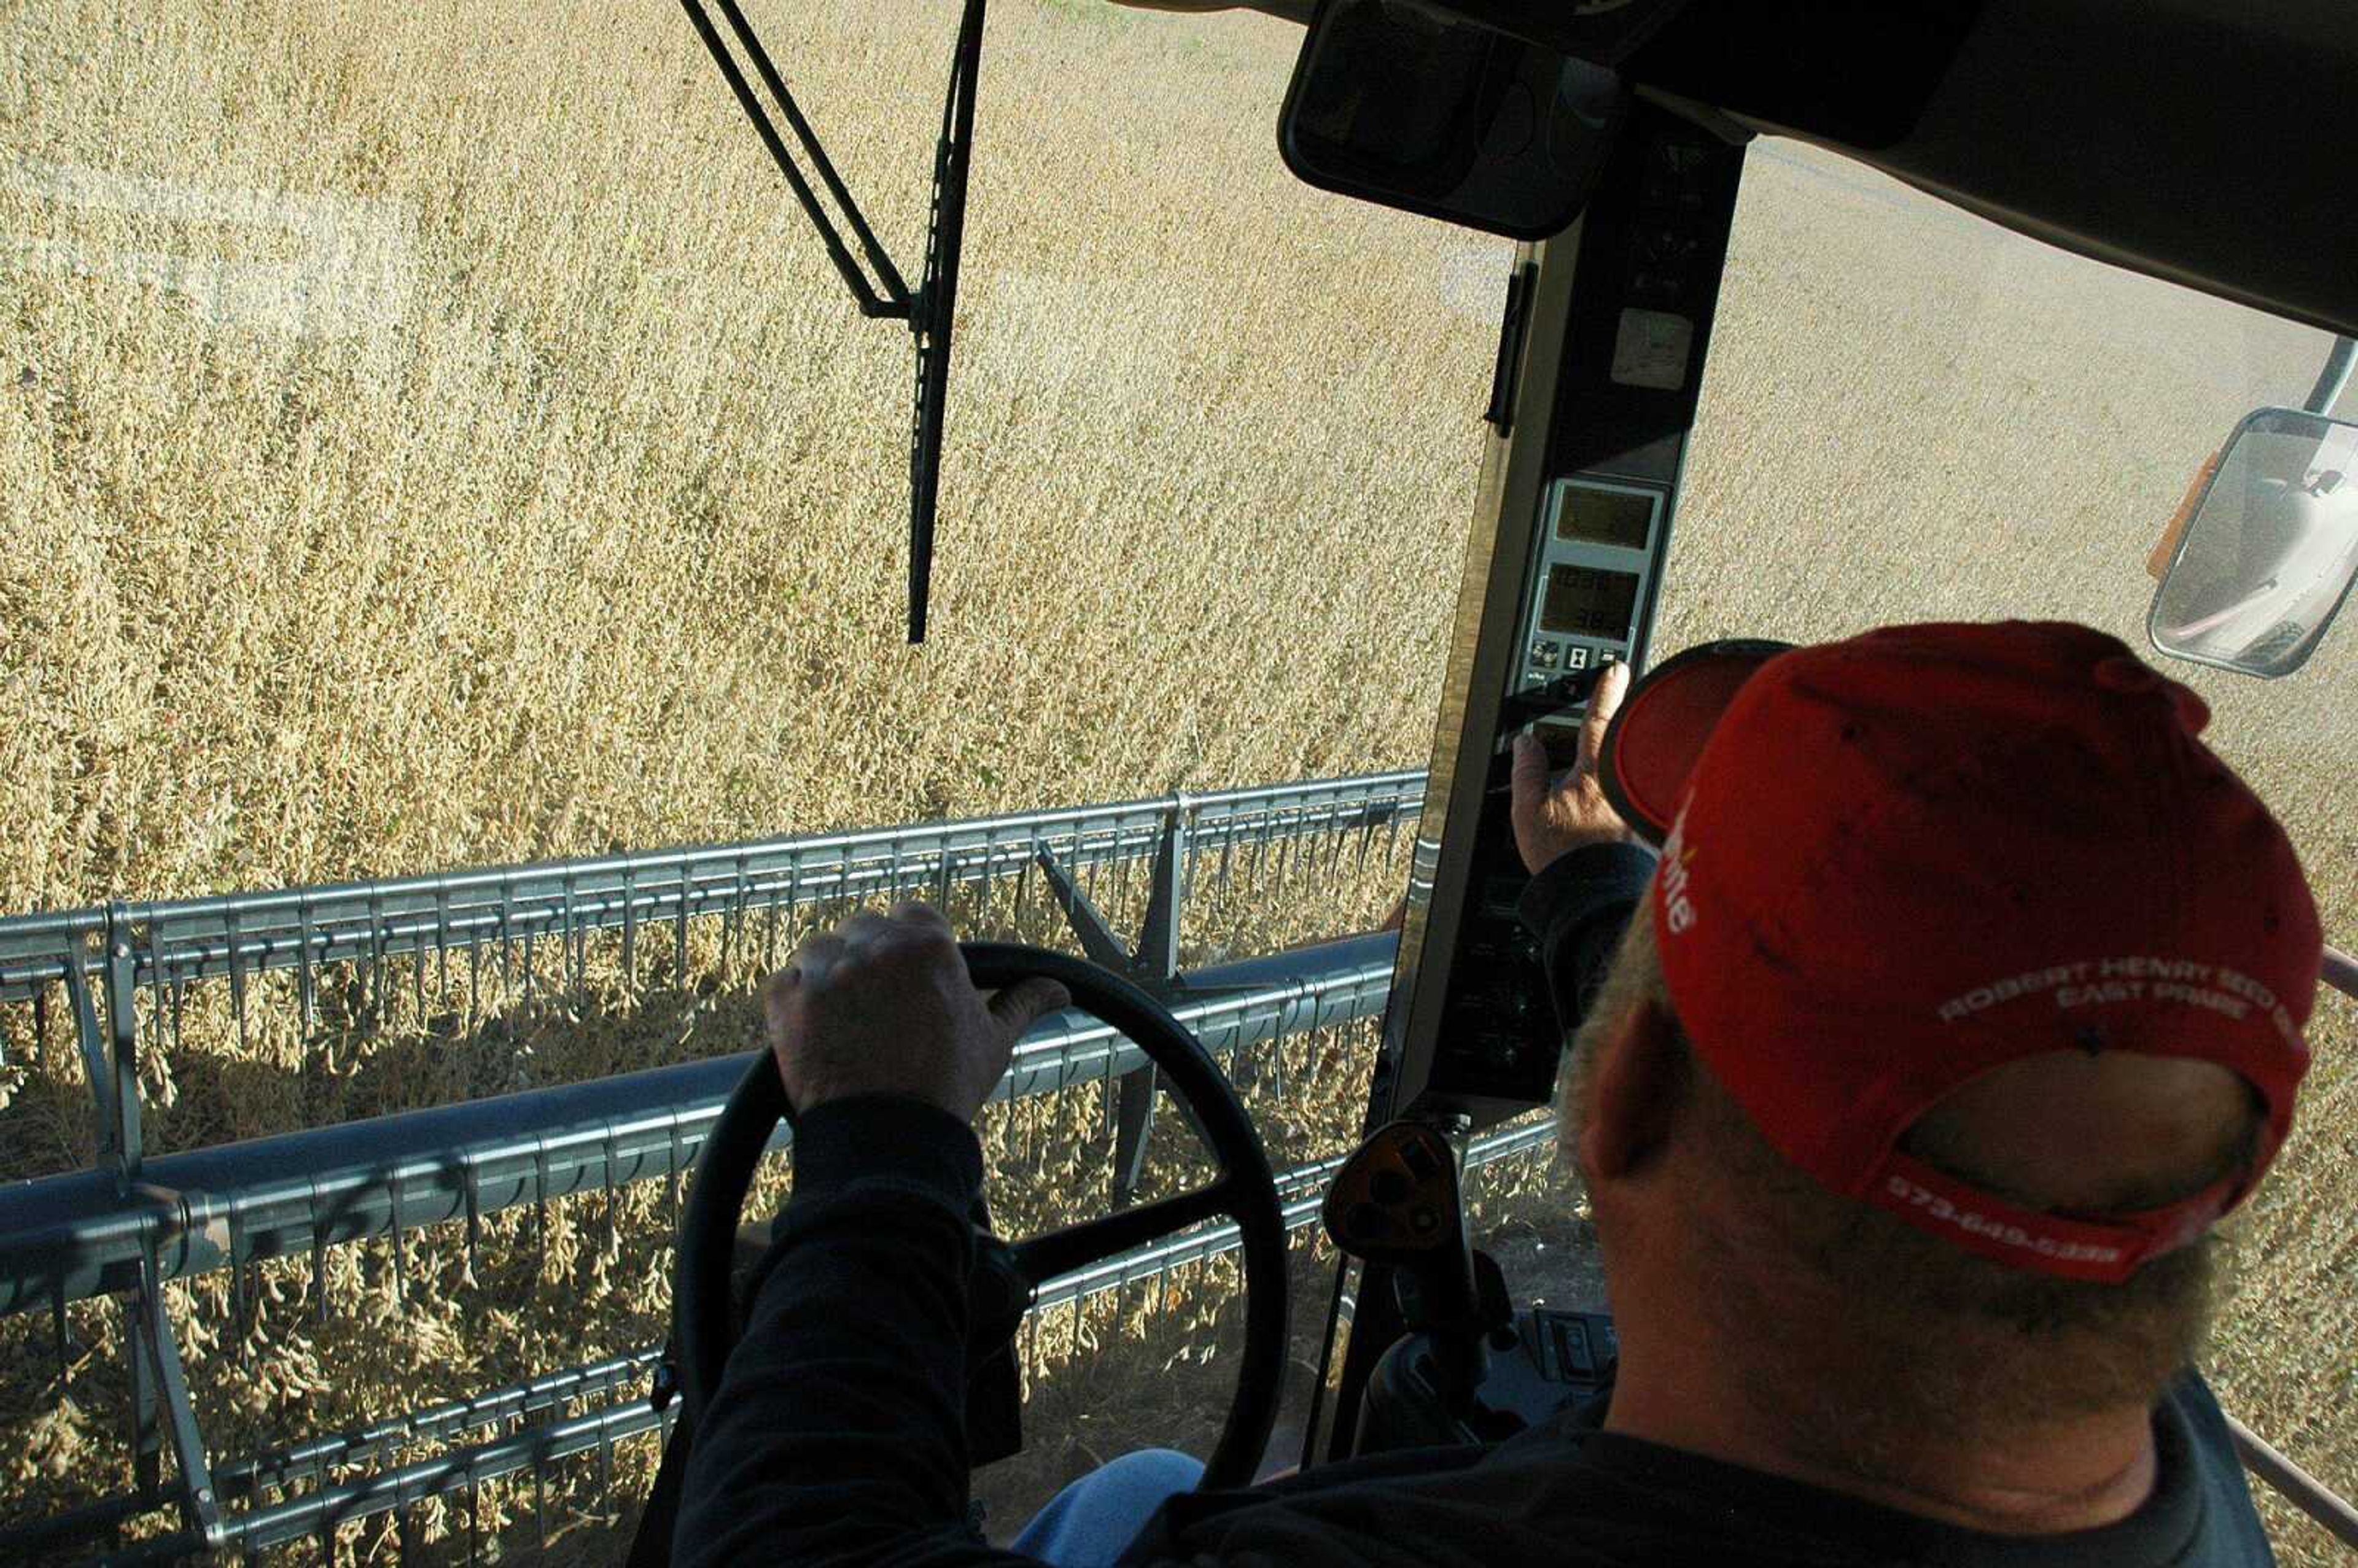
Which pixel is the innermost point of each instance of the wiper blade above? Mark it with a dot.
(880, 291)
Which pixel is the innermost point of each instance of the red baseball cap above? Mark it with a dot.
(1894, 863)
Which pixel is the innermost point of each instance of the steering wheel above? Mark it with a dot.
(1245, 1192)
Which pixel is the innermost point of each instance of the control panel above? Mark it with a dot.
(1569, 567)
(1557, 1358)
(1594, 562)
(1596, 559)
(1545, 1361)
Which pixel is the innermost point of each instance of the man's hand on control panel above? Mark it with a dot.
(882, 1006)
(1555, 814)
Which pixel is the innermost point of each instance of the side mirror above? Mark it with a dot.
(1433, 113)
(2267, 548)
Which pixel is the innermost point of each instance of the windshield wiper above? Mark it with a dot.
(879, 290)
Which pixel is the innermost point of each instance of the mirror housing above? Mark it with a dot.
(2265, 556)
(1433, 113)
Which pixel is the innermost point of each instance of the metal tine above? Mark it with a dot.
(156, 977)
(733, 927)
(443, 945)
(613, 1211)
(584, 935)
(524, 939)
(400, 1253)
(474, 979)
(307, 984)
(675, 1179)
(319, 1266)
(240, 1295)
(1109, 1083)
(540, 1206)
(587, 936)
(474, 1195)
(59, 1328)
(565, 937)
(988, 883)
(404, 1540)
(507, 950)
(236, 979)
(679, 932)
(629, 932)
(792, 902)
(474, 1518)
(378, 1005)
(179, 994)
(540, 1497)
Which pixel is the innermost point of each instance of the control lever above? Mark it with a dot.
(1399, 1201)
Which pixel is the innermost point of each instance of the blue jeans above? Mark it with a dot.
(1092, 1521)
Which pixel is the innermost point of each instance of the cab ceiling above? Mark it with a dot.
(2209, 142)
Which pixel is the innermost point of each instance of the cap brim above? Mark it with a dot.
(1664, 721)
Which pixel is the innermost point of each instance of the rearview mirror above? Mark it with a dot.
(2267, 549)
(1435, 114)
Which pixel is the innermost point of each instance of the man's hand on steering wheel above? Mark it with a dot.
(891, 1006)
(881, 1005)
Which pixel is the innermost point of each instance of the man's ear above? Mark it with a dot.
(1634, 1089)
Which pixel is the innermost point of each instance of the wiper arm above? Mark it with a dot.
(880, 292)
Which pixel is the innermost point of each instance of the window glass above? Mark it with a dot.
(1911, 414)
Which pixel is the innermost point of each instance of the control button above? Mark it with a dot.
(1576, 657)
(1543, 654)
(1608, 656)
(1571, 1348)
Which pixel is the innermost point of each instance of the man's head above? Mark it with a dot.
(1967, 996)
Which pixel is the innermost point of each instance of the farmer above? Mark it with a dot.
(1966, 996)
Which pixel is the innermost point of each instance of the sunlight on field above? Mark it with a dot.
(430, 436)
(598, 540)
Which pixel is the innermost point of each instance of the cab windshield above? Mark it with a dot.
(429, 437)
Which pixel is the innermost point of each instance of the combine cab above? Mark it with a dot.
(1806, 317)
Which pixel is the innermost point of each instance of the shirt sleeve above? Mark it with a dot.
(1577, 910)
(838, 1435)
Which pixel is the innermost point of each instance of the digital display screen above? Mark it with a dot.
(1604, 517)
(1587, 602)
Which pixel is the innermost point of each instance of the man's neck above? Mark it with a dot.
(2079, 1474)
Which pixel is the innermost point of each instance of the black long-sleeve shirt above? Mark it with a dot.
(836, 1436)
